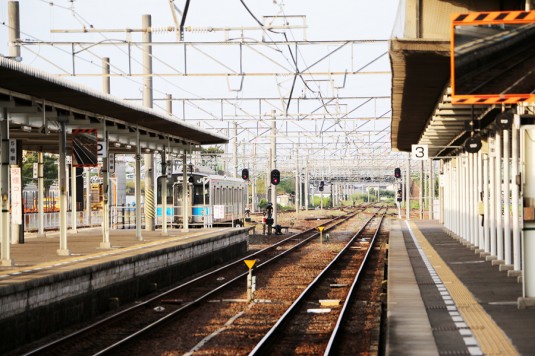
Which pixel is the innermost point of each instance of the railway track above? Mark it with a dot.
(111, 333)
(306, 330)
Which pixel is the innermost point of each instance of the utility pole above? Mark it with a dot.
(147, 102)
(274, 164)
(235, 151)
(297, 180)
(105, 169)
(253, 181)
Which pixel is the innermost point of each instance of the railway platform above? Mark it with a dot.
(444, 299)
(44, 292)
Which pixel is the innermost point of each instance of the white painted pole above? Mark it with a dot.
(498, 197)
(106, 88)
(492, 197)
(486, 213)
(274, 164)
(73, 200)
(470, 202)
(528, 239)
(479, 201)
(515, 196)
(40, 194)
(508, 256)
(431, 190)
(138, 188)
(235, 150)
(408, 188)
(185, 195)
(63, 250)
(146, 38)
(421, 192)
(87, 204)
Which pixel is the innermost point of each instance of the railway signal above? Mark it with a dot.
(397, 173)
(275, 177)
(322, 186)
(245, 174)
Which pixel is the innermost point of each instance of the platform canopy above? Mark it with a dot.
(35, 102)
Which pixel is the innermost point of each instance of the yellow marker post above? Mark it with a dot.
(320, 229)
(250, 263)
(251, 281)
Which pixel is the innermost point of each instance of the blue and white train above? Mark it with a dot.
(213, 200)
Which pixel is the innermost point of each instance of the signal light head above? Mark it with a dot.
(275, 177)
(245, 174)
(397, 173)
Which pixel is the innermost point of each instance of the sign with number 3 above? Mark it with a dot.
(419, 152)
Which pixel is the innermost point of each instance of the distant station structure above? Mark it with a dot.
(43, 113)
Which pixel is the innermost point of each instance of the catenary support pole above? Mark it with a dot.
(105, 169)
(148, 158)
(274, 163)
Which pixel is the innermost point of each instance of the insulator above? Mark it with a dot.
(163, 29)
(199, 29)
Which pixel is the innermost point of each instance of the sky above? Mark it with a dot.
(335, 111)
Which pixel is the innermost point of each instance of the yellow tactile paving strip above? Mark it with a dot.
(491, 338)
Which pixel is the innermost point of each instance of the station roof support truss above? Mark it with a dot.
(33, 101)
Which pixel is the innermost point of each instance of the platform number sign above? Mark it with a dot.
(419, 152)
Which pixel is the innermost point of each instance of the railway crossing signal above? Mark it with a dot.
(245, 174)
(275, 177)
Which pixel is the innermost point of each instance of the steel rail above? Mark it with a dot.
(65, 339)
(335, 335)
(263, 347)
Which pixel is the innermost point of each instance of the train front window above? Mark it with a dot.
(197, 195)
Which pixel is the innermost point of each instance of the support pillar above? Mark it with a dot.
(486, 209)
(63, 250)
(508, 253)
(185, 195)
(492, 199)
(408, 188)
(73, 200)
(138, 188)
(515, 196)
(498, 197)
(87, 204)
(4, 190)
(528, 238)
(40, 194)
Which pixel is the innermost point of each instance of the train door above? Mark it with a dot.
(177, 201)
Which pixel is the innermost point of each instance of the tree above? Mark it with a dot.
(210, 157)
(50, 169)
